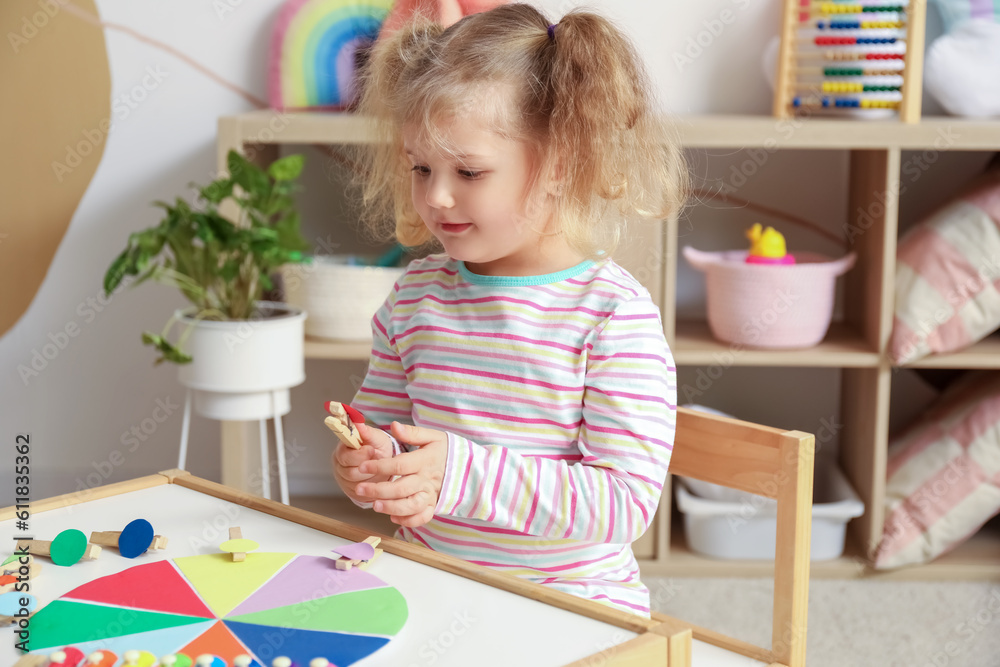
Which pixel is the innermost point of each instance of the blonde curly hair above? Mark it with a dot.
(577, 95)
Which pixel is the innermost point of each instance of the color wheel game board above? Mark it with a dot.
(288, 597)
(270, 605)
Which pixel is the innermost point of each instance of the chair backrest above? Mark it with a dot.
(769, 462)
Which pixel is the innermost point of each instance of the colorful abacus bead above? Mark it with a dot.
(209, 660)
(67, 657)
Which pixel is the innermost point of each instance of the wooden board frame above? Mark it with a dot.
(661, 641)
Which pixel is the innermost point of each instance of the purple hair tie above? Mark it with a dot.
(552, 32)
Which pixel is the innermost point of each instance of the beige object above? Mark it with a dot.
(109, 538)
(348, 563)
(336, 313)
(44, 548)
(34, 568)
(56, 121)
(340, 423)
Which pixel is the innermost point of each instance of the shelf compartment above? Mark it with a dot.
(316, 348)
(984, 354)
(842, 347)
(976, 559)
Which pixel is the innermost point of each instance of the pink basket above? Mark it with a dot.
(769, 306)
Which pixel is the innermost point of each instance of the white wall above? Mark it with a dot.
(83, 402)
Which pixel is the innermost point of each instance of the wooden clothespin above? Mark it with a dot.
(32, 661)
(341, 421)
(346, 563)
(20, 565)
(133, 541)
(238, 546)
(69, 547)
(378, 552)
(15, 605)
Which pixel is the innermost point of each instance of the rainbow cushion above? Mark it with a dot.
(313, 50)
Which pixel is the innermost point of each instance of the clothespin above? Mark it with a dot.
(342, 422)
(7, 582)
(69, 547)
(238, 546)
(13, 605)
(133, 541)
(347, 562)
(20, 565)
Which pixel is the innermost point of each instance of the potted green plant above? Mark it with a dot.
(238, 352)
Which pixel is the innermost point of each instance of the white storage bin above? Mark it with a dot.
(746, 529)
(339, 297)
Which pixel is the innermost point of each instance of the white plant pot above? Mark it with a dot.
(242, 370)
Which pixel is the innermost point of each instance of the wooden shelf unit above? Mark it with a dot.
(856, 345)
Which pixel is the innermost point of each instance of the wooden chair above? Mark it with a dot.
(769, 462)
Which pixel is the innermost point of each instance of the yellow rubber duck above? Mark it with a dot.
(767, 246)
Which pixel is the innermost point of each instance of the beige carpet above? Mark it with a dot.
(854, 622)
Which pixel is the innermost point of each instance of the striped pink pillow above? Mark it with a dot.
(943, 474)
(948, 277)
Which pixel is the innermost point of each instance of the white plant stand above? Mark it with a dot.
(265, 464)
(242, 372)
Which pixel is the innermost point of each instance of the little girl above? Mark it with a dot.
(525, 373)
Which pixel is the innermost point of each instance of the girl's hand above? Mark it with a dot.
(374, 445)
(411, 499)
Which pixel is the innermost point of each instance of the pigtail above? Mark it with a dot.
(384, 182)
(603, 115)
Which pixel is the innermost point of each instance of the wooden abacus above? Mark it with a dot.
(843, 54)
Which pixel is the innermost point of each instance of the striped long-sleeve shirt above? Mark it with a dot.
(558, 396)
